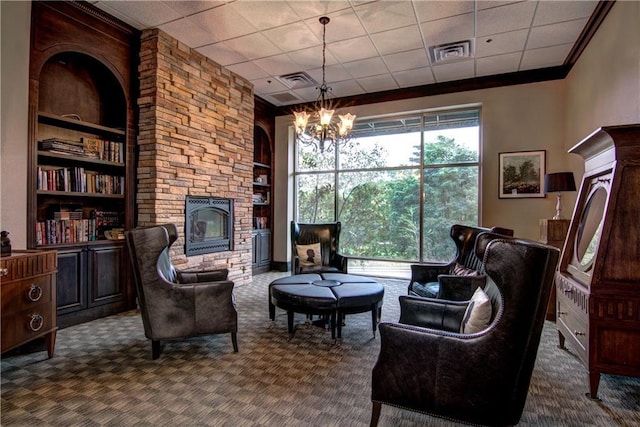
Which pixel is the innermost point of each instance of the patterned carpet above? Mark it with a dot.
(102, 375)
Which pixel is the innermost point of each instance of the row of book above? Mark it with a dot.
(77, 179)
(93, 148)
(55, 231)
(51, 231)
(260, 222)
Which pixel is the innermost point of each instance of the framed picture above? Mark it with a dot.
(522, 174)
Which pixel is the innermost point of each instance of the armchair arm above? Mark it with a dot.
(202, 276)
(341, 262)
(459, 288)
(430, 313)
(424, 273)
(214, 306)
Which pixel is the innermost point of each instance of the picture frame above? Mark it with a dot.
(521, 174)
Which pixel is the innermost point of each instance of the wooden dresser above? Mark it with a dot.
(598, 280)
(28, 298)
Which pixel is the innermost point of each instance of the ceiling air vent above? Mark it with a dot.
(451, 52)
(297, 80)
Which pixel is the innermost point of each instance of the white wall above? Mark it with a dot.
(602, 89)
(15, 36)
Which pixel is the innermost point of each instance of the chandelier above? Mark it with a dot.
(323, 130)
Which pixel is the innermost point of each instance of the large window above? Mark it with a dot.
(397, 187)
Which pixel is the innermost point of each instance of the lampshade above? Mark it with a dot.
(560, 181)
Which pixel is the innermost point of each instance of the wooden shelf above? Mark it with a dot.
(261, 165)
(79, 194)
(80, 125)
(81, 159)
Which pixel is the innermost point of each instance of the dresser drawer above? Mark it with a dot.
(573, 325)
(27, 324)
(26, 293)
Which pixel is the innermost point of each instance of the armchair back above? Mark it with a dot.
(328, 236)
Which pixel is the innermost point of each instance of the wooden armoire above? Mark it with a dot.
(598, 281)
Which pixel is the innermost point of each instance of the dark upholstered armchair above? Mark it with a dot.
(459, 278)
(480, 377)
(314, 248)
(176, 304)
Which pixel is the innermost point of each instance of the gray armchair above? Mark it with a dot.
(326, 237)
(458, 278)
(178, 304)
(427, 365)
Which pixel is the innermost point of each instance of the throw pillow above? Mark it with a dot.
(461, 270)
(478, 314)
(309, 255)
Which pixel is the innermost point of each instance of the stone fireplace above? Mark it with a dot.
(195, 141)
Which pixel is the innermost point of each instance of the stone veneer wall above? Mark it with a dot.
(195, 138)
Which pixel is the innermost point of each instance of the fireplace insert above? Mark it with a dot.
(208, 225)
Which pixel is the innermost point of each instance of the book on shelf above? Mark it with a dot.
(61, 146)
(78, 180)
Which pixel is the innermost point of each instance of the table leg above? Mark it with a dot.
(290, 321)
(374, 318)
(333, 326)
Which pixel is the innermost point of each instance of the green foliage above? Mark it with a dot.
(380, 209)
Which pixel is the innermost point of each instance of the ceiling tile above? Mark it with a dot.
(378, 83)
(346, 88)
(333, 73)
(398, 40)
(407, 60)
(366, 67)
(448, 30)
(311, 57)
(353, 49)
(417, 77)
(343, 25)
(186, 8)
(222, 53)
(223, 23)
(501, 43)
(265, 14)
(454, 71)
(248, 70)
(433, 10)
(142, 12)
(554, 34)
(549, 12)
(268, 85)
(544, 57)
(498, 64)
(253, 46)
(386, 15)
(277, 65)
(293, 37)
(309, 9)
(501, 19)
(187, 32)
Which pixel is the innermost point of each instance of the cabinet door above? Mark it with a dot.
(264, 252)
(70, 280)
(255, 249)
(105, 275)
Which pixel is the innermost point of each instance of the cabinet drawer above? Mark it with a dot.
(24, 294)
(573, 323)
(27, 324)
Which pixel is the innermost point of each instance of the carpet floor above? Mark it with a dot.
(102, 375)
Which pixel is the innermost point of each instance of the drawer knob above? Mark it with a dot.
(36, 323)
(577, 333)
(560, 313)
(35, 293)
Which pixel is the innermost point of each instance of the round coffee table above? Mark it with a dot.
(332, 294)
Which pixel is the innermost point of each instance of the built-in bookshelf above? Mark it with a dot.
(81, 176)
(262, 197)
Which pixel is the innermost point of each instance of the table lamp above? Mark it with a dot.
(557, 183)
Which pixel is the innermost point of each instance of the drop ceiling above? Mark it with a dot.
(372, 46)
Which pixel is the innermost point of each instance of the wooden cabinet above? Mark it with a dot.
(262, 197)
(28, 298)
(553, 232)
(81, 145)
(598, 280)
